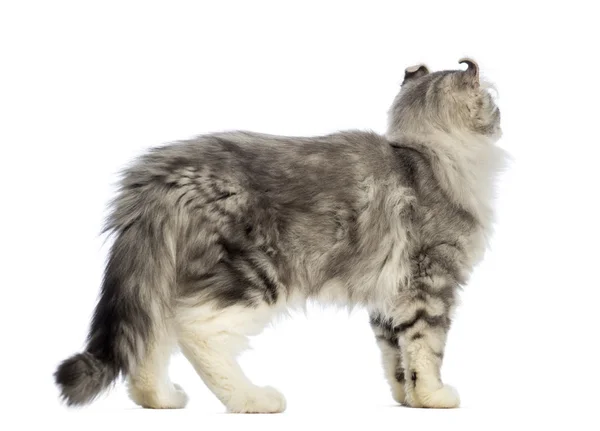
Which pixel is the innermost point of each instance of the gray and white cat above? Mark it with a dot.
(216, 235)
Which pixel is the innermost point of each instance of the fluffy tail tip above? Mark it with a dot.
(82, 377)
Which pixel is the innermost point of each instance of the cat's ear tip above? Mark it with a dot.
(472, 66)
(416, 71)
(416, 68)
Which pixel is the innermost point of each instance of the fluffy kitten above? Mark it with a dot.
(214, 236)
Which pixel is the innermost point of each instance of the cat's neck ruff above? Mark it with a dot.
(466, 166)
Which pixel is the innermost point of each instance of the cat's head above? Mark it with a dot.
(449, 101)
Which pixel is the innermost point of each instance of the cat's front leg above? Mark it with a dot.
(422, 352)
(387, 340)
(421, 323)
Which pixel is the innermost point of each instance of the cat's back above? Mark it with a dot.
(263, 161)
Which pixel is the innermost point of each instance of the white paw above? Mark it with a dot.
(398, 392)
(174, 398)
(178, 397)
(445, 397)
(257, 400)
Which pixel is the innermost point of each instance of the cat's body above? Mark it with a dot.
(216, 235)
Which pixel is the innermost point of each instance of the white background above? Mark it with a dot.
(86, 86)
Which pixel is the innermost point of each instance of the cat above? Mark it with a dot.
(216, 235)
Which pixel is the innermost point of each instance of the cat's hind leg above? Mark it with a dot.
(149, 384)
(211, 339)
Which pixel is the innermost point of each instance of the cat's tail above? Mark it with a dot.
(134, 300)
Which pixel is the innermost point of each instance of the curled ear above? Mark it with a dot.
(414, 72)
(472, 67)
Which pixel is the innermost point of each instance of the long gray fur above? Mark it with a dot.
(246, 218)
